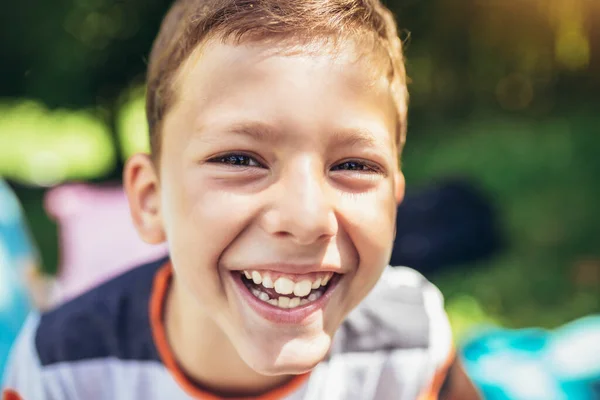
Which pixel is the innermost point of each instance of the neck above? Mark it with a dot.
(205, 353)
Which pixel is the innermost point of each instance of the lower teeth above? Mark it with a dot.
(286, 302)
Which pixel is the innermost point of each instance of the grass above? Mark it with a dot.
(543, 178)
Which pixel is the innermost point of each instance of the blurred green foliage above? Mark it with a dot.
(505, 92)
(543, 179)
(42, 147)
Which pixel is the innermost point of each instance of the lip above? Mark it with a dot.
(291, 269)
(277, 315)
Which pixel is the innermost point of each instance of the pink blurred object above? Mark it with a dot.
(97, 238)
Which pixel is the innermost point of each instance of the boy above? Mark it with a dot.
(275, 131)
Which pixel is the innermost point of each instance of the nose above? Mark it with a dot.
(302, 206)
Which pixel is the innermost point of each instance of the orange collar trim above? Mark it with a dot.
(432, 391)
(157, 301)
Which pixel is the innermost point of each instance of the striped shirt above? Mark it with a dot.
(110, 343)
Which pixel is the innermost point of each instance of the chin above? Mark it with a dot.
(295, 366)
(293, 357)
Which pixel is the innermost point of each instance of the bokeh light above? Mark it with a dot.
(132, 126)
(44, 147)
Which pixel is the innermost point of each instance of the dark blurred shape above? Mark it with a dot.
(449, 223)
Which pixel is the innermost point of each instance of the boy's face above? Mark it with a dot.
(281, 163)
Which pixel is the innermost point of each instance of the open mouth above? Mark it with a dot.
(285, 292)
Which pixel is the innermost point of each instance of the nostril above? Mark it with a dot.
(283, 234)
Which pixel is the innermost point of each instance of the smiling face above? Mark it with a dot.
(278, 169)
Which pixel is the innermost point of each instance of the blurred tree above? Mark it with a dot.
(82, 53)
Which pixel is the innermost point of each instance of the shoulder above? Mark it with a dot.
(96, 346)
(403, 311)
(111, 320)
(402, 328)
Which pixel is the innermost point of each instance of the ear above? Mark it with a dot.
(142, 187)
(399, 186)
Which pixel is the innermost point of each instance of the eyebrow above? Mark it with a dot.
(263, 132)
(258, 131)
(355, 138)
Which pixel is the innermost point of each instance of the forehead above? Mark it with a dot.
(330, 49)
(310, 82)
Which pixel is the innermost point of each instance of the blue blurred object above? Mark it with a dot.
(16, 254)
(534, 364)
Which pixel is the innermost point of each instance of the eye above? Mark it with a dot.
(355, 166)
(236, 160)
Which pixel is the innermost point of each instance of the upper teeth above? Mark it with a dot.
(284, 285)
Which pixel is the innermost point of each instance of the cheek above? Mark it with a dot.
(201, 223)
(200, 212)
(370, 220)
